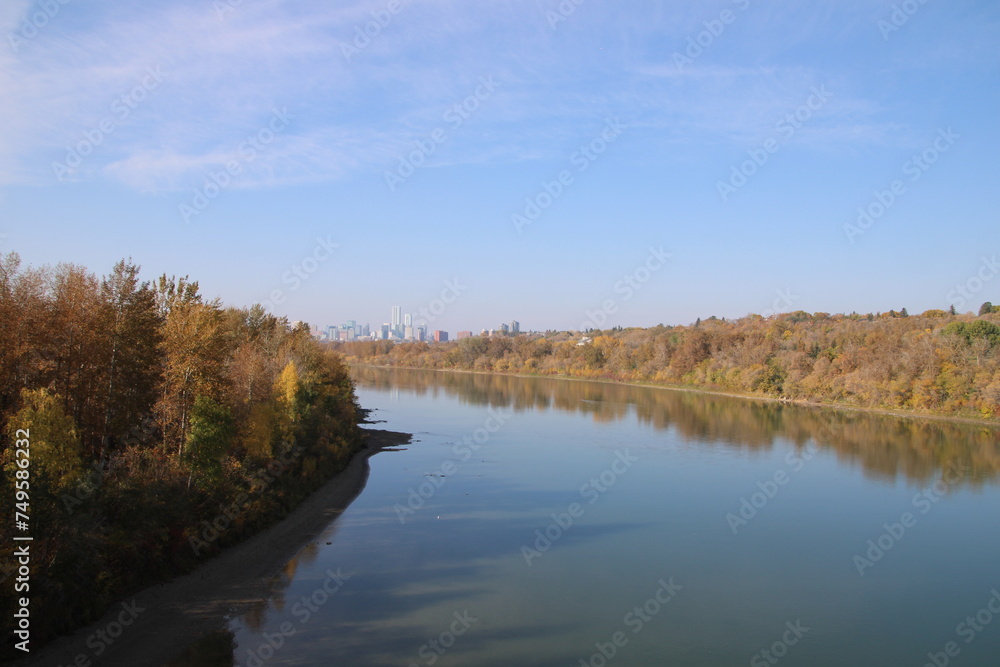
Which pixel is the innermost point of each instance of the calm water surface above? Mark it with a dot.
(551, 522)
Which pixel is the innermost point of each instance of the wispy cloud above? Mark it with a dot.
(224, 74)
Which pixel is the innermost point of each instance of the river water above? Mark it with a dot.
(553, 522)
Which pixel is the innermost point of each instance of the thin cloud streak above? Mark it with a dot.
(225, 73)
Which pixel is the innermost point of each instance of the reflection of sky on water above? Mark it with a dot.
(663, 517)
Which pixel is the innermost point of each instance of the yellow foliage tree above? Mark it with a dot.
(194, 353)
(54, 440)
(286, 390)
(260, 430)
(607, 344)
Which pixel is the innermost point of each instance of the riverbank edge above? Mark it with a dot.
(910, 414)
(175, 613)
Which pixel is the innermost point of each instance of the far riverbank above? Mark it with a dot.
(910, 414)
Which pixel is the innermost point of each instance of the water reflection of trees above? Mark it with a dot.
(886, 446)
(218, 647)
(213, 649)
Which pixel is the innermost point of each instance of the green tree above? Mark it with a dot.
(986, 308)
(973, 331)
(210, 438)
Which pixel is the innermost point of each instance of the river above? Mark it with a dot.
(552, 522)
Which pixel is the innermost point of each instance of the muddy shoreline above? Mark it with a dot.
(165, 618)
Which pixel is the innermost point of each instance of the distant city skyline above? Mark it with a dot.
(401, 327)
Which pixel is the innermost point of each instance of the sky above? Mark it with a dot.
(568, 164)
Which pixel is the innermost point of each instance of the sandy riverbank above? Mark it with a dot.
(177, 612)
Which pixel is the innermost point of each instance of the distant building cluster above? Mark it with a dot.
(401, 328)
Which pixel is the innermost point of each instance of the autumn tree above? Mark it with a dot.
(194, 351)
(74, 360)
(147, 409)
(286, 396)
(23, 329)
(133, 326)
(55, 443)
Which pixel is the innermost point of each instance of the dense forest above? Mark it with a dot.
(935, 362)
(162, 427)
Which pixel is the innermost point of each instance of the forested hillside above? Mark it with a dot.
(934, 362)
(162, 427)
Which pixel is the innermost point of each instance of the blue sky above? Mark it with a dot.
(240, 141)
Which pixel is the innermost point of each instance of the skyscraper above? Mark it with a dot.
(407, 320)
(396, 320)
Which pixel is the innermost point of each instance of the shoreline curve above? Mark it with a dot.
(178, 612)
